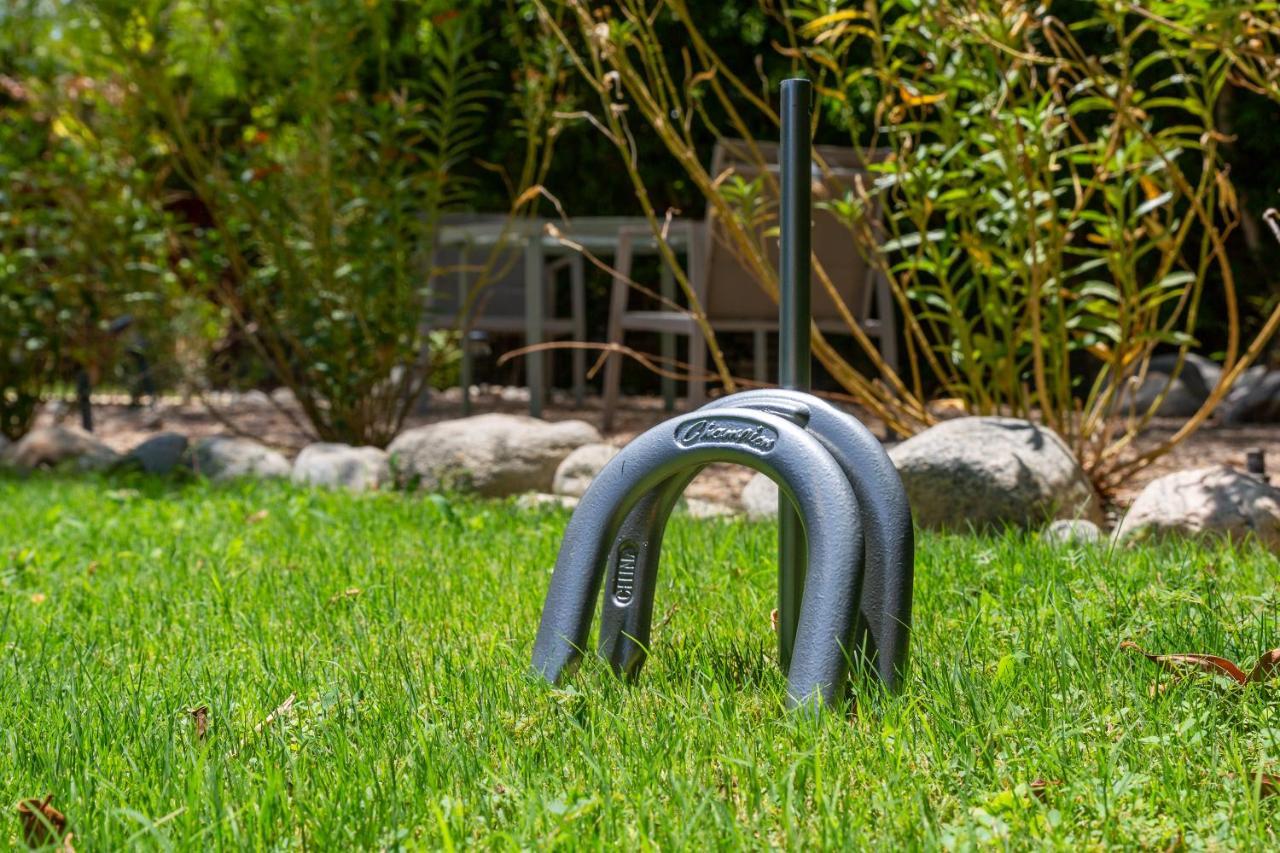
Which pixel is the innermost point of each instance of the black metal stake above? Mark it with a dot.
(794, 315)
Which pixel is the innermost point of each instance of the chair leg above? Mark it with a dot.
(667, 344)
(578, 308)
(465, 374)
(760, 355)
(698, 368)
(697, 268)
(533, 318)
(617, 308)
(888, 328)
(465, 371)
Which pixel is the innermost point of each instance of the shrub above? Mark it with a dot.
(81, 244)
(321, 171)
(1054, 215)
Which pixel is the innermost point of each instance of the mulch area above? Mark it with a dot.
(122, 427)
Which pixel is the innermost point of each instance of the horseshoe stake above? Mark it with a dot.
(846, 550)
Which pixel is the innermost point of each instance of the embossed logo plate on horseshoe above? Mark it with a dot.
(728, 431)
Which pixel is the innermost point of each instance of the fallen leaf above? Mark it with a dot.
(41, 822)
(1266, 666)
(255, 517)
(201, 717)
(39, 598)
(349, 592)
(1040, 787)
(1179, 663)
(1268, 783)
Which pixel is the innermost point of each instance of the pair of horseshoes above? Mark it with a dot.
(858, 539)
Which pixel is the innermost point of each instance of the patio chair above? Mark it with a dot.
(730, 296)
(500, 307)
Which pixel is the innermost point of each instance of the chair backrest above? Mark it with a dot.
(731, 292)
(503, 295)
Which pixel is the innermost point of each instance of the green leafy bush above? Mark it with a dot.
(322, 170)
(82, 244)
(1054, 215)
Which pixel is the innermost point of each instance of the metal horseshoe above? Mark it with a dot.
(884, 603)
(785, 451)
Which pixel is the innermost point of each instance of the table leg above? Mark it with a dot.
(760, 363)
(533, 363)
(578, 298)
(464, 372)
(667, 341)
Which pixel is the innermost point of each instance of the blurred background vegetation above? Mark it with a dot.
(255, 185)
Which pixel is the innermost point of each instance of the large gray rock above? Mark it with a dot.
(1187, 391)
(1215, 500)
(1254, 399)
(580, 467)
(223, 457)
(991, 472)
(159, 454)
(492, 455)
(760, 498)
(4, 444)
(357, 469)
(47, 447)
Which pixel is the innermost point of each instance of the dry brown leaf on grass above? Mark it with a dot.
(42, 824)
(1266, 666)
(1212, 664)
(1040, 787)
(1180, 663)
(200, 716)
(255, 517)
(1268, 783)
(349, 592)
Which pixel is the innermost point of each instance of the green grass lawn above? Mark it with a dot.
(403, 627)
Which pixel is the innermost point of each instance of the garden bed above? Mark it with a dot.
(123, 427)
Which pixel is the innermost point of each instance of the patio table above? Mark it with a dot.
(597, 234)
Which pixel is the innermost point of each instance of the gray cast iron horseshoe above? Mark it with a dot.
(884, 603)
(805, 471)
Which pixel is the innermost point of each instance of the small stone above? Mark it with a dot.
(542, 500)
(223, 457)
(356, 469)
(580, 467)
(760, 498)
(257, 399)
(702, 509)
(1217, 500)
(159, 454)
(514, 394)
(1071, 531)
(284, 397)
(49, 447)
